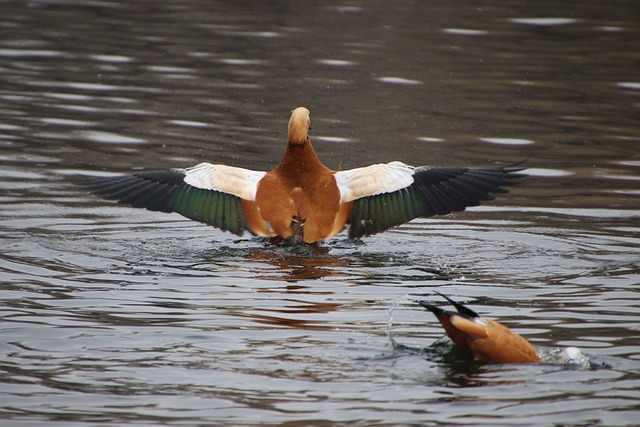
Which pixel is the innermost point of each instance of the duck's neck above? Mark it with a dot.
(299, 161)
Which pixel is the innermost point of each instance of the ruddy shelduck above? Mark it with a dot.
(303, 199)
(484, 339)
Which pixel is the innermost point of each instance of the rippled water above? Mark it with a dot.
(118, 316)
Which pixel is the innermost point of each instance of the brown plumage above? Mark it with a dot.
(301, 198)
(484, 339)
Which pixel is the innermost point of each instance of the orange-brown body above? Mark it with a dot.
(299, 197)
(303, 200)
(484, 339)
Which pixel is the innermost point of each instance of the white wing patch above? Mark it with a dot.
(227, 179)
(375, 179)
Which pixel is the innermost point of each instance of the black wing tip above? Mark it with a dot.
(513, 176)
(100, 184)
(166, 191)
(462, 309)
(433, 308)
(88, 180)
(435, 191)
(514, 171)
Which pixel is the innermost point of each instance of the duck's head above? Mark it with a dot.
(299, 125)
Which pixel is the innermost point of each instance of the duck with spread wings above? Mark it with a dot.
(301, 198)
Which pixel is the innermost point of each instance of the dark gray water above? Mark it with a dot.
(117, 316)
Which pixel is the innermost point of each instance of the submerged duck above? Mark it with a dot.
(484, 339)
(303, 199)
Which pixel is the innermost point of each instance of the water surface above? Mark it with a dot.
(118, 316)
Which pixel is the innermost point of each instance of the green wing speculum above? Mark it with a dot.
(166, 191)
(436, 191)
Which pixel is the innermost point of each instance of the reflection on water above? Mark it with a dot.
(121, 316)
(294, 263)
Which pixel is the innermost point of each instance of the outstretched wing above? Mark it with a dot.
(400, 193)
(208, 193)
